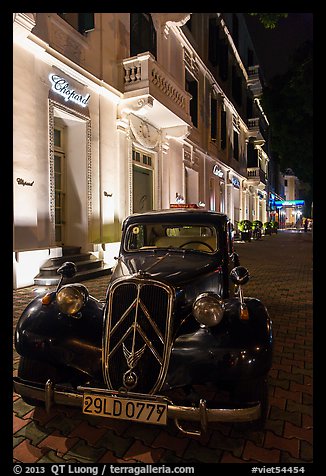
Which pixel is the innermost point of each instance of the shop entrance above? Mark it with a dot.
(142, 182)
(69, 177)
(59, 185)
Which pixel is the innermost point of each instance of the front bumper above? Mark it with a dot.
(52, 394)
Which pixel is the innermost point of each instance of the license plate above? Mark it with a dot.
(125, 409)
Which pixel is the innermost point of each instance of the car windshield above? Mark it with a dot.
(170, 236)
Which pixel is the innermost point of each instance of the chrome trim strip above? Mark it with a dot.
(48, 395)
(200, 414)
(150, 345)
(153, 324)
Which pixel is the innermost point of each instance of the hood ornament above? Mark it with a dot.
(130, 378)
(132, 357)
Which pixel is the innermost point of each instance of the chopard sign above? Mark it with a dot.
(61, 86)
(21, 181)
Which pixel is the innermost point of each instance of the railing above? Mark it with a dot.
(257, 174)
(253, 124)
(142, 71)
(253, 71)
(253, 81)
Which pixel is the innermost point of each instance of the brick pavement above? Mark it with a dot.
(281, 276)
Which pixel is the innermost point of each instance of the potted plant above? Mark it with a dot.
(274, 226)
(245, 227)
(268, 228)
(257, 226)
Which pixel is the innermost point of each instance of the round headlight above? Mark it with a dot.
(208, 309)
(71, 298)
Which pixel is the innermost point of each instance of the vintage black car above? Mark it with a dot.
(175, 338)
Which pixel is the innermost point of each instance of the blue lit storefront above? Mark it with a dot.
(288, 213)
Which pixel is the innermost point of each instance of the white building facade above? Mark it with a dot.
(107, 123)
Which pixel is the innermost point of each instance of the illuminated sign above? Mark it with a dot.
(289, 203)
(217, 171)
(61, 86)
(235, 182)
(183, 205)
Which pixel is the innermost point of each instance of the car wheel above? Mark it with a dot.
(37, 372)
(251, 391)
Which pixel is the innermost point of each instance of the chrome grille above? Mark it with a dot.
(137, 337)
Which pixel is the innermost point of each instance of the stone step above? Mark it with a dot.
(53, 280)
(68, 250)
(88, 267)
(89, 264)
(74, 257)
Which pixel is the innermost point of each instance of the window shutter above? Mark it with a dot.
(213, 119)
(213, 40)
(223, 59)
(223, 129)
(85, 22)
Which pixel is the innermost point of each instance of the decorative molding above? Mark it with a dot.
(51, 173)
(187, 156)
(139, 105)
(130, 177)
(166, 19)
(146, 134)
(23, 23)
(89, 174)
(176, 132)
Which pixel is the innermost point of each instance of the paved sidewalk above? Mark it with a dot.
(281, 276)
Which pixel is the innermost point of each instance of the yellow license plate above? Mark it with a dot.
(125, 409)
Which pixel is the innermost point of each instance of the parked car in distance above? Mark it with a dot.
(174, 339)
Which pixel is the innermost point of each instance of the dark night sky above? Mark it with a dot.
(275, 46)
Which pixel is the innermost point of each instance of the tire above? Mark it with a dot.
(37, 372)
(254, 390)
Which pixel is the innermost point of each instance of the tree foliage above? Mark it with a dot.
(288, 103)
(269, 20)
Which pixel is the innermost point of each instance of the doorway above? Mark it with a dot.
(59, 185)
(70, 176)
(142, 182)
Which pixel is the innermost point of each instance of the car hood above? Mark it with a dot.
(173, 267)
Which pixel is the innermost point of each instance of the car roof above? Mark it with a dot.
(196, 213)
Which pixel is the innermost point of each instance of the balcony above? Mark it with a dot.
(254, 130)
(256, 176)
(144, 76)
(253, 127)
(253, 81)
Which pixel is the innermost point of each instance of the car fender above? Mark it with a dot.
(44, 333)
(234, 349)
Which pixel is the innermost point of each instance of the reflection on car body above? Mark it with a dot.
(174, 339)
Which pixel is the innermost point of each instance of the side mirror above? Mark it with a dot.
(235, 258)
(239, 275)
(67, 270)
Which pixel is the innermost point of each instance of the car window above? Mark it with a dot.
(166, 235)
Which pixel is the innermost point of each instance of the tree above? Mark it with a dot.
(269, 20)
(288, 103)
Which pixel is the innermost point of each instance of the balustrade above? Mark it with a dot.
(257, 174)
(142, 71)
